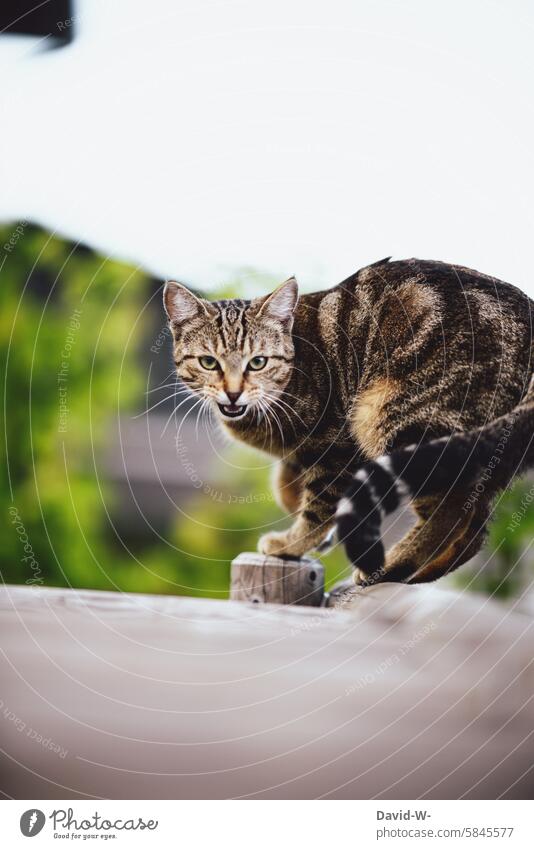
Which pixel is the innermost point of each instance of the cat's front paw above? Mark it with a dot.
(279, 544)
(364, 579)
(359, 577)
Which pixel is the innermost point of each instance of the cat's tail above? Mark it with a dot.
(483, 460)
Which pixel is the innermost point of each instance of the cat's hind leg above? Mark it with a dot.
(433, 545)
(445, 536)
(459, 551)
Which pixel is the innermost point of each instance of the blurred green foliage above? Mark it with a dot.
(74, 321)
(504, 567)
(65, 319)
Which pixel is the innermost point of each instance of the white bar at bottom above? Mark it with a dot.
(267, 824)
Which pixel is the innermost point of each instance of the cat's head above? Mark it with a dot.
(239, 354)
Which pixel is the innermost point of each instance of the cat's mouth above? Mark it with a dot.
(232, 411)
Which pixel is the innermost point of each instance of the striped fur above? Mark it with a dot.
(465, 461)
(408, 381)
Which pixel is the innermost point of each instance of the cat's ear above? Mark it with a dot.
(181, 305)
(280, 304)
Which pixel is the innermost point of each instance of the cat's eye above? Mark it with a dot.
(209, 363)
(257, 363)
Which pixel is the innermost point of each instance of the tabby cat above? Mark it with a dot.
(410, 380)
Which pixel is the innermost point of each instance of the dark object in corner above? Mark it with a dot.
(54, 19)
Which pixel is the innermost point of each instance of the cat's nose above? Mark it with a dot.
(233, 396)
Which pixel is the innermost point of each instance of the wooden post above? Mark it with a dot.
(261, 578)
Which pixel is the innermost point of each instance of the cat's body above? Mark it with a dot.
(400, 354)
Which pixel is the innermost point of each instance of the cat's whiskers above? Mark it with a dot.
(290, 395)
(203, 407)
(172, 374)
(211, 415)
(266, 417)
(260, 414)
(165, 386)
(279, 402)
(274, 402)
(185, 419)
(275, 414)
(177, 407)
(301, 371)
(157, 404)
(269, 411)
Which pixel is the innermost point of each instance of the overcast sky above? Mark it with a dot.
(290, 137)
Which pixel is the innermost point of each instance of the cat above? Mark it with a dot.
(409, 381)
